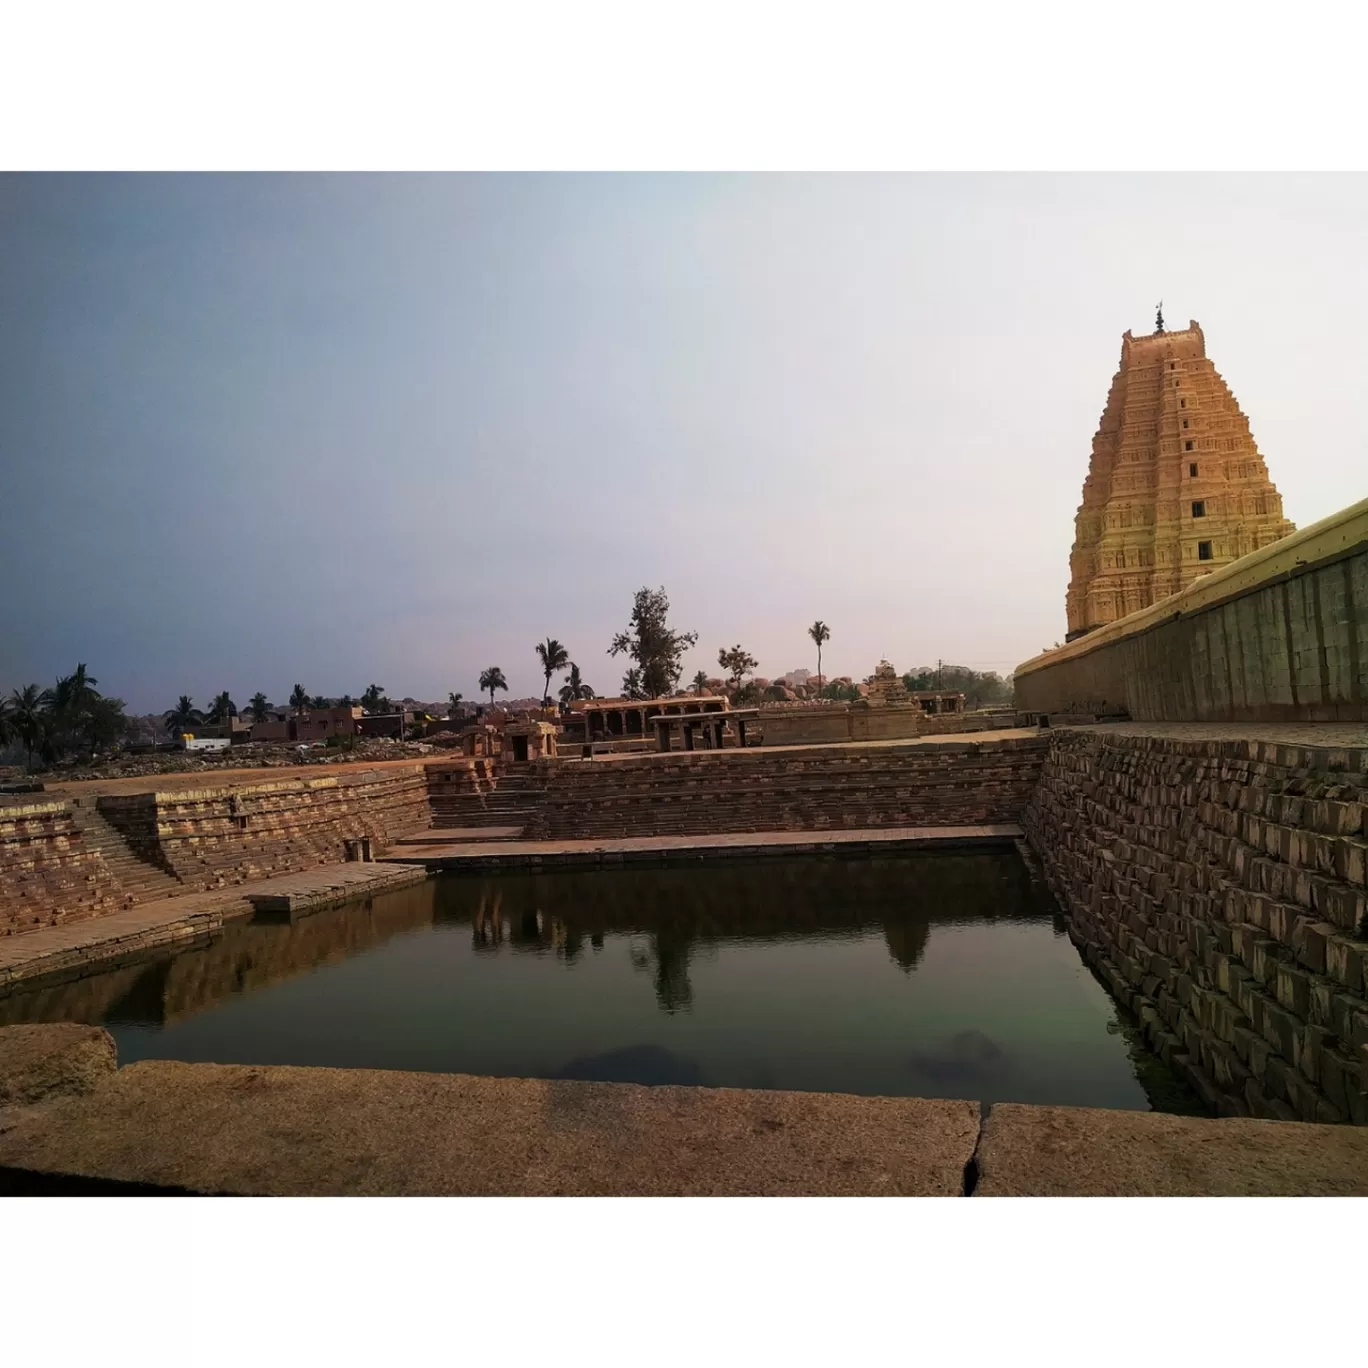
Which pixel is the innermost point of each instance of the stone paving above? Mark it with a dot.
(67, 1113)
(428, 849)
(1317, 735)
(186, 917)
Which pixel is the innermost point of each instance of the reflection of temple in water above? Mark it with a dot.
(676, 911)
(680, 910)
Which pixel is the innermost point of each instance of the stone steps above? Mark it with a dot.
(140, 880)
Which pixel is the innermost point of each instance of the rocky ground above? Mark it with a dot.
(126, 766)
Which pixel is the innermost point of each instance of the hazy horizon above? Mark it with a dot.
(336, 430)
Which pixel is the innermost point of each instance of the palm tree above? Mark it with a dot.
(260, 706)
(299, 699)
(183, 716)
(370, 700)
(574, 687)
(26, 709)
(222, 709)
(631, 684)
(318, 701)
(819, 632)
(491, 679)
(554, 657)
(453, 704)
(700, 682)
(346, 701)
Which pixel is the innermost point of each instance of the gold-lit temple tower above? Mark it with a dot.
(1176, 487)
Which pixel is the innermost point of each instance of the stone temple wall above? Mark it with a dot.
(1279, 636)
(1218, 888)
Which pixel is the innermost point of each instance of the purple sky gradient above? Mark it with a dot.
(337, 430)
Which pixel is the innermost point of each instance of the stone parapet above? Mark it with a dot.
(1220, 890)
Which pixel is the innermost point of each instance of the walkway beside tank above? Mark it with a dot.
(427, 848)
(93, 942)
(70, 1119)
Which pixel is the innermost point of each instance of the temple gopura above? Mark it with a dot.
(1176, 487)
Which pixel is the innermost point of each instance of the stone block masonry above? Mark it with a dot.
(231, 834)
(48, 875)
(814, 788)
(65, 860)
(1220, 889)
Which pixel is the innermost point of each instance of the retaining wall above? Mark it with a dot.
(47, 874)
(837, 787)
(230, 834)
(1278, 635)
(1219, 889)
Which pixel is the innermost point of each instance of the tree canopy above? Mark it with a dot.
(553, 657)
(650, 641)
(738, 663)
(491, 679)
(574, 687)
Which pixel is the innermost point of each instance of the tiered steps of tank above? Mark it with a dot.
(826, 788)
(140, 880)
(510, 802)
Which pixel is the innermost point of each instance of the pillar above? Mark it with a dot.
(740, 732)
(688, 736)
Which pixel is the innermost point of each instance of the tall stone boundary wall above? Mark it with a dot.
(47, 875)
(1280, 635)
(836, 788)
(1219, 890)
(212, 837)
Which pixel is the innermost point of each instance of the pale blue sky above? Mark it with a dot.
(260, 430)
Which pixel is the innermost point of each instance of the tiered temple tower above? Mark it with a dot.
(1176, 487)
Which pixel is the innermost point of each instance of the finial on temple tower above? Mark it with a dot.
(1159, 317)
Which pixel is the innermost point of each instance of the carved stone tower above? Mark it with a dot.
(1176, 487)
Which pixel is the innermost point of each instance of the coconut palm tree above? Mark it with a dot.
(453, 704)
(700, 682)
(299, 699)
(222, 709)
(554, 657)
(183, 716)
(318, 701)
(631, 684)
(370, 700)
(574, 687)
(260, 706)
(819, 632)
(491, 679)
(26, 717)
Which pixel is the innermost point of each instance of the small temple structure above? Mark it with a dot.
(1175, 488)
(886, 688)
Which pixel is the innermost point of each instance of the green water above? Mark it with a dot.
(934, 975)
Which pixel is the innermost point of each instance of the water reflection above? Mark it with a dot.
(934, 975)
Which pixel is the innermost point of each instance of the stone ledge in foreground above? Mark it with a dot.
(213, 1128)
(39, 1061)
(1086, 1152)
